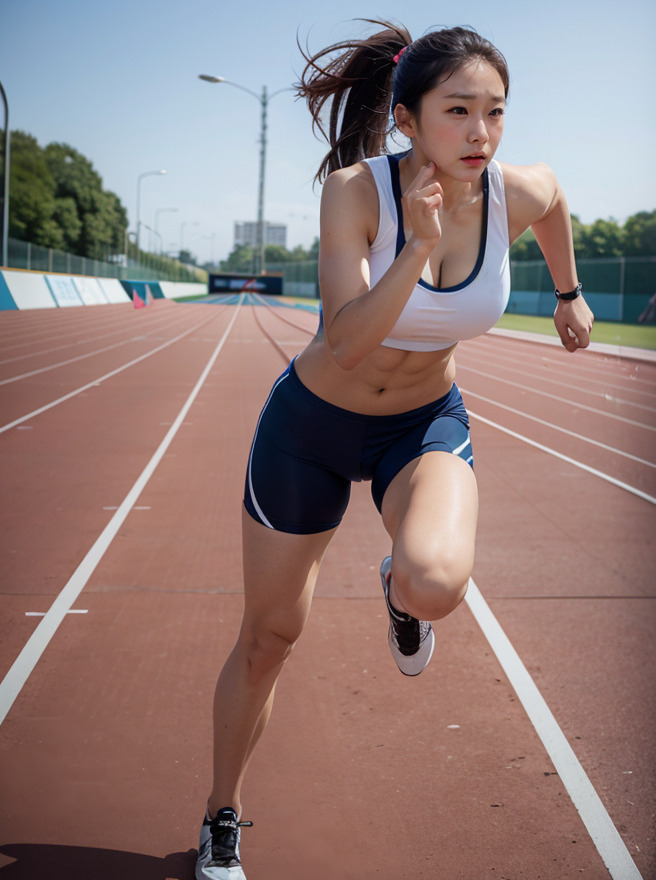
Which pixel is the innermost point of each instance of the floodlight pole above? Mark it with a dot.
(263, 98)
(140, 177)
(5, 194)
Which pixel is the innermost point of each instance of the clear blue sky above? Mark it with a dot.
(118, 81)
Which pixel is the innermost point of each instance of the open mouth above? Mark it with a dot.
(474, 159)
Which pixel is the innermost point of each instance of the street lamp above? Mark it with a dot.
(157, 213)
(5, 194)
(140, 177)
(263, 99)
(155, 232)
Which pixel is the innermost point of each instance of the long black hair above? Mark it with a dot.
(365, 79)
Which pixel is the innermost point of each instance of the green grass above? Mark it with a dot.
(181, 299)
(635, 335)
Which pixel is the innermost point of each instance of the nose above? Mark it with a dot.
(478, 132)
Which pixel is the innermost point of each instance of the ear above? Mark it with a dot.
(405, 121)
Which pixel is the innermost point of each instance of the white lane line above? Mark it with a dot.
(567, 370)
(43, 613)
(572, 461)
(526, 415)
(566, 400)
(95, 382)
(601, 829)
(28, 658)
(79, 357)
(120, 328)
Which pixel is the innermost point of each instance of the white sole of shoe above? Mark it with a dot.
(415, 663)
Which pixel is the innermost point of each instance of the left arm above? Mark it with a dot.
(535, 199)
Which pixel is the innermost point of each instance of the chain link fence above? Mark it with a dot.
(617, 288)
(151, 267)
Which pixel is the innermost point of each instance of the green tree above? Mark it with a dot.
(313, 253)
(57, 200)
(102, 218)
(240, 260)
(603, 238)
(32, 194)
(640, 234)
(187, 258)
(276, 253)
(68, 221)
(525, 247)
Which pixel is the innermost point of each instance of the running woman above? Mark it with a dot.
(413, 259)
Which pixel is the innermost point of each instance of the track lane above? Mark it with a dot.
(341, 569)
(43, 358)
(38, 397)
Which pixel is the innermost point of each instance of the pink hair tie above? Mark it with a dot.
(397, 57)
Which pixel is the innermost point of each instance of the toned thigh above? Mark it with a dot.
(430, 511)
(280, 571)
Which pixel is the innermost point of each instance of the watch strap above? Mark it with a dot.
(570, 294)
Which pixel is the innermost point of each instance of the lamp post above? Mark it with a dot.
(5, 194)
(154, 232)
(263, 99)
(140, 177)
(157, 213)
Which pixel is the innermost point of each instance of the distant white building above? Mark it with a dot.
(274, 233)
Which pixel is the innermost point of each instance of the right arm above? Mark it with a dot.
(356, 318)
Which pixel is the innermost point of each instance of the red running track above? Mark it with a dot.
(124, 439)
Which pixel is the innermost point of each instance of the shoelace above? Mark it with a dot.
(409, 632)
(225, 839)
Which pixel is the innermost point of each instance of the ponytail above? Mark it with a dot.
(359, 81)
(370, 77)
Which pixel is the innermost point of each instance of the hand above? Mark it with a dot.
(422, 200)
(573, 320)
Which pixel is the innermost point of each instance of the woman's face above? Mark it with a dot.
(460, 121)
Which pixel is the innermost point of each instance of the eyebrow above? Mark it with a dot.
(462, 97)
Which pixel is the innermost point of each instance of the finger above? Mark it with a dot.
(430, 189)
(426, 173)
(568, 339)
(583, 337)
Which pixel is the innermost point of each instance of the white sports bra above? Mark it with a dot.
(436, 318)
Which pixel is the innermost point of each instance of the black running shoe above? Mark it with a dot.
(411, 641)
(218, 848)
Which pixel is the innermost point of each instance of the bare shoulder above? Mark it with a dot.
(530, 193)
(349, 199)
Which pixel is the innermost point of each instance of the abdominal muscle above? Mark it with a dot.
(388, 381)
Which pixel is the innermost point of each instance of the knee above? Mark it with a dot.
(266, 651)
(430, 588)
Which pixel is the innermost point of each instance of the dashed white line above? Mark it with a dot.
(43, 613)
(15, 679)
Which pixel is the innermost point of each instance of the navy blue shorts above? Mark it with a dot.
(306, 452)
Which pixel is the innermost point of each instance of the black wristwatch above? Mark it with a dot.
(571, 294)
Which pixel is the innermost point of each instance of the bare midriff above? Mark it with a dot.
(388, 381)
